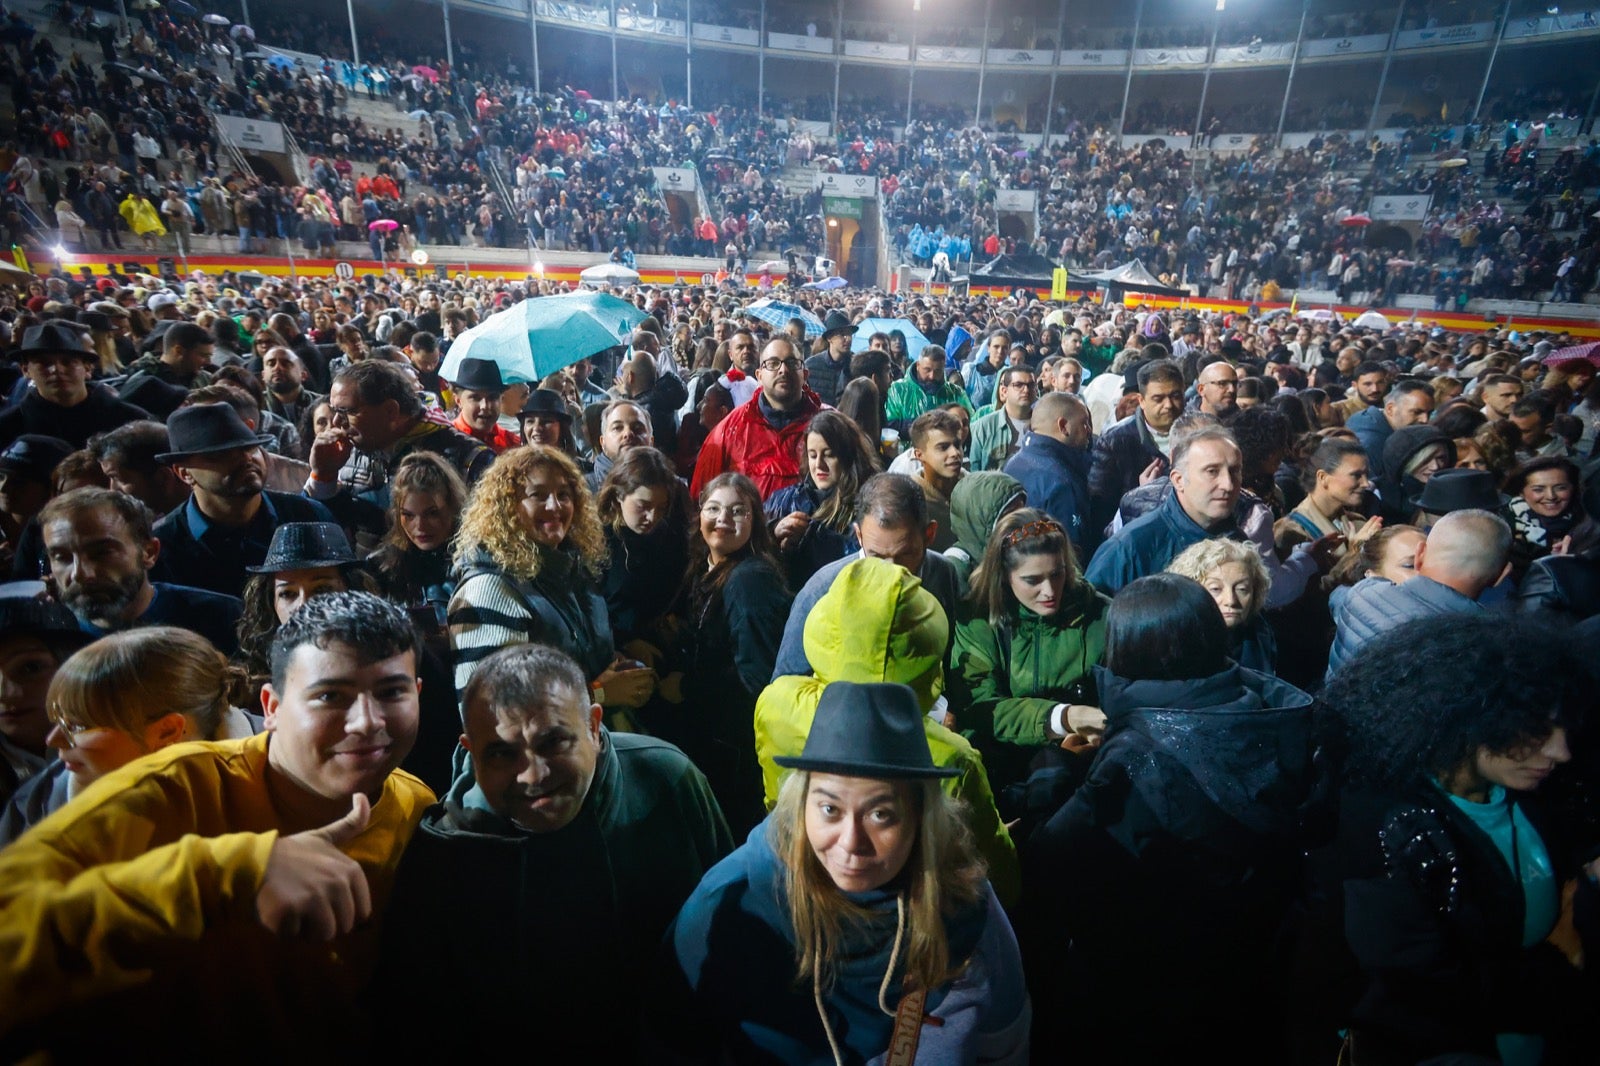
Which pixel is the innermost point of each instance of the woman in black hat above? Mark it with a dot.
(856, 916)
(547, 420)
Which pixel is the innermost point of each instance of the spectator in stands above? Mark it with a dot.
(829, 371)
(1053, 465)
(761, 438)
(62, 402)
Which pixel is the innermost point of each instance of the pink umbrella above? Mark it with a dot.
(1590, 351)
(426, 72)
(1357, 220)
(385, 224)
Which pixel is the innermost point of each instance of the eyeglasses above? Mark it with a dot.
(73, 730)
(772, 366)
(737, 513)
(347, 412)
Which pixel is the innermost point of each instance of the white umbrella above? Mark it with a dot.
(1371, 320)
(215, 19)
(609, 274)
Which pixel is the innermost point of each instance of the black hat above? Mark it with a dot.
(1459, 489)
(479, 375)
(57, 336)
(867, 731)
(34, 455)
(837, 322)
(1233, 349)
(206, 428)
(305, 546)
(159, 398)
(545, 402)
(22, 613)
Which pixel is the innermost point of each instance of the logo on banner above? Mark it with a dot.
(343, 271)
(674, 178)
(1020, 57)
(1092, 57)
(1344, 45)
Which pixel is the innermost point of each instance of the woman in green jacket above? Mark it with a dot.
(1027, 641)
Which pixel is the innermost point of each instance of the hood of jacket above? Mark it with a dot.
(975, 506)
(877, 623)
(1243, 738)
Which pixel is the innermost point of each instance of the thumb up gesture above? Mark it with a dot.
(312, 889)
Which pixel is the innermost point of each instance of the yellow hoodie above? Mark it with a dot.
(877, 623)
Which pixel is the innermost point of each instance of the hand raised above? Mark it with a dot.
(311, 888)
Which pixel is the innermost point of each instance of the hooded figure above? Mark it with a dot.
(1404, 452)
(976, 505)
(877, 623)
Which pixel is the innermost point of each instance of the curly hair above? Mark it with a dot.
(1198, 560)
(489, 523)
(1420, 704)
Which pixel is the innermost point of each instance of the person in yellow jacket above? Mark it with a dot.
(225, 891)
(142, 218)
(877, 623)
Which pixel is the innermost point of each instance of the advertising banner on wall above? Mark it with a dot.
(1280, 52)
(799, 42)
(1563, 22)
(1022, 201)
(1344, 46)
(1105, 57)
(841, 207)
(1020, 57)
(251, 135)
(1169, 57)
(1467, 33)
(675, 179)
(857, 185)
(565, 12)
(726, 34)
(1399, 208)
(877, 50)
(928, 53)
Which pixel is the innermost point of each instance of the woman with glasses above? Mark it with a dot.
(731, 613)
(122, 697)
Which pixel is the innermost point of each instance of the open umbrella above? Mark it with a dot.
(1321, 314)
(281, 62)
(777, 314)
(1357, 220)
(1398, 262)
(384, 224)
(771, 265)
(827, 284)
(215, 19)
(915, 340)
(418, 115)
(1451, 164)
(1371, 320)
(144, 5)
(14, 274)
(609, 274)
(537, 337)
(183, 7)
(426, 72)
(138, 72)
(1590, 351)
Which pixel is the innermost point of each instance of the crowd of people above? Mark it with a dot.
(936, 682)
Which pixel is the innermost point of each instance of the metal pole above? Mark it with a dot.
(615, 92)
(1205, 82)
(1050, 103)
(1505, 16)
(449, 47)
(761, 63)
(983, 64)
(838, 35)
(355, 45)
(911, 82)
(244, 5)
(1294, 61)
(123, 8)
(1127, 86)
(533, 32)
(688, 54)
(1588, 120)
(1383, 78)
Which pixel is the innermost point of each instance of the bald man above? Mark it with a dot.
(1053, 463)
(659, 394)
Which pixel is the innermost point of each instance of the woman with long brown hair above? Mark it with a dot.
(811, 520)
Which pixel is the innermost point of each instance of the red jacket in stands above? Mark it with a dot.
(745, 441)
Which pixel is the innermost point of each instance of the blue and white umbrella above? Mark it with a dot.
(915, 341)
(535, 338)
(777, 314)
(826, 284)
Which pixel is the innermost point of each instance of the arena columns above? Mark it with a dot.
(1205, 82)
(761, 65)
(1127, 86)
(983, 64)
(1500, 35)
(449, 48)
(911, 82)
(533, 31)
(1294, 61)
(1383, 76)
(355, 45)
(1061, 47)
(838, 43)
(688, 54)
(616, 94)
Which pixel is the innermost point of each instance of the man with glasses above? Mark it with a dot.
(761, 438)
(996, 436)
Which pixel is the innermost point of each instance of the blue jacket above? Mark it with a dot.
(1372, 429)
(1147, 545)
(729, 992)
(1056, 479)
(1374, 606)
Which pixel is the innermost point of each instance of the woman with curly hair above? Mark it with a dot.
(811, 520)
(1460, 858)
(1234, 575)
(528, 553)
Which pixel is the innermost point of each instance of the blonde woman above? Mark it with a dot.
(529, 552)
(1233, 574)
(124, 696)
(856, 915)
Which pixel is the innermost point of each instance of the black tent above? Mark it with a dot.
(1119, 281)
(1020, 271)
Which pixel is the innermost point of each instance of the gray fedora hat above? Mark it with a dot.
(867, 730)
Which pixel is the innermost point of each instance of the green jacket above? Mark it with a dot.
(908, 399)
(877, 623)
(1006, 680)
(993, 437)
(976, 504)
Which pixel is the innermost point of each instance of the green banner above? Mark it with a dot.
(841, 207)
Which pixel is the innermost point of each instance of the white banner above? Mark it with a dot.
(1169, 57)
(629, 20)
(1020, 57)
(675, 179)
(939, 54)
(507, 5)
(1105, 57)
(1468, 33)
(1231, 142)
(799, 42)
(1017, 201)
(251, 135)
(861, 185)
(813, 127)
(1562, 23)
(1303, 140)
(1344, 46)
(726, 34)
(1280, 52)
(1135, 140)
(1399, 208)
(877, 50)
(565, 12)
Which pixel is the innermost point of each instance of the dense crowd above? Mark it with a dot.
(860, 668)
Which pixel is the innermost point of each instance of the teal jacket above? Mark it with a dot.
(993, 440)
(908, 399)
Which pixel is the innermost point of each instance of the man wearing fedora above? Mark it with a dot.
(478, 387)
(226, 524)
(101, 549)
(828, 372)
(26, 466)
(62, 402)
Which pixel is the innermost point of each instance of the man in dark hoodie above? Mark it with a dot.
(545, 880)
(63, 402)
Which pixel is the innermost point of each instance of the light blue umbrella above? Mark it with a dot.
(915, 341)
(826, 284)
(777, 314)
(537, 337)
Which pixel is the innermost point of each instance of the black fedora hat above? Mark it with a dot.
(34, 456)
(305, 546)
(206, 428)
(23, 614)
(56, 337)
(545, 402)
(867, 731)
(160, 398)
(837, 322)
(1459, 489)
(479, 375)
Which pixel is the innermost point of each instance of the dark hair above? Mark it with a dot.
(523, 676)
(1161, 372)
(857, 462)
(423, 341)
(1368, 367)
(1465, 682)
(895, 500)
(1405, 387)
(133, 512)
(134, 445)
(1458, 419)
(862, 404)
(232, 395)
(705, 583)
(1165, 628)
(185, 335)
(1310, 400)
(368, 625)
(938, 420)
(868, 363)
(1259, 431)
(1289, 406)
(376, 382)
(1517, 479)
(1537, 403)
(641, 468)
(1329, 455)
